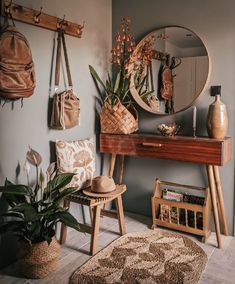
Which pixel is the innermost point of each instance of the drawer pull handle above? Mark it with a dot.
(156, 145)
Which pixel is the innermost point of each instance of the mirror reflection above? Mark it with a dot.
(169, 69)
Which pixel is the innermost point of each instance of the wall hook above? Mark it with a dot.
(36, 17)
(61, 23)
(79, 30)
(7, 7)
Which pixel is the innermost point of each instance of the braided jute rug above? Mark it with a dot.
(148, 257)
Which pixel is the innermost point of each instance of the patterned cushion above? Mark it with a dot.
(76, 157)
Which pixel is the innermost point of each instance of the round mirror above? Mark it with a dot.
(168, 70)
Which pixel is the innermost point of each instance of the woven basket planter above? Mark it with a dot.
(118, 119)
(39, 259)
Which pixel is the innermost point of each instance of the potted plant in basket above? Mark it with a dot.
(33, 214)
(118, 115)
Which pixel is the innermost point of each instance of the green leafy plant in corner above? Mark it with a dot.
(35, 210)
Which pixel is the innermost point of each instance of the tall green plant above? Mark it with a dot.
(35, 210)
(114, 90)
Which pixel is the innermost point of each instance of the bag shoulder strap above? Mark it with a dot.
(67, 61)
(61, 38)
(58, 59)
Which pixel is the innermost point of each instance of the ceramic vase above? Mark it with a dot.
(217, 119)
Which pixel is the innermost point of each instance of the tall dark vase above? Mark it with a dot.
(217, 118)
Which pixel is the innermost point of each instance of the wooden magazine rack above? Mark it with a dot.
(199, 223)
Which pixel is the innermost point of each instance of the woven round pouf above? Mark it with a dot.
(39, 259)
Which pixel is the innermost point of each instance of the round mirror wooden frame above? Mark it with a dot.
(146, 51)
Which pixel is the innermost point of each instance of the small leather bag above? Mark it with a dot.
(65, 105)
(167, 83)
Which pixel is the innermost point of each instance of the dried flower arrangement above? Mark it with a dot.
(117, 88)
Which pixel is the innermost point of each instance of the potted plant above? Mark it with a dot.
(33, 214)
(117, 113)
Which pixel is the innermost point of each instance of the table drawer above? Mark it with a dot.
(180, 148)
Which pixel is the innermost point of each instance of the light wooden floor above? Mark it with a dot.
(220, 268)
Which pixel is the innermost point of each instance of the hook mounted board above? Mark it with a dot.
(40, 19)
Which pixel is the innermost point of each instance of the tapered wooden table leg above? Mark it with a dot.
(63, 230)
(111, 171)
(121, 169)
(120, 213)
(112, 164)
(214, 203)
(220, 199)
(95, 229)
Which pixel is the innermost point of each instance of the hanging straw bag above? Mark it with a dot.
(65, 105)
(118, 119)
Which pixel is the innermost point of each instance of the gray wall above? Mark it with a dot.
(214, 22)
(28, 125)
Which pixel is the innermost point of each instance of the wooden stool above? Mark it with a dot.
(95, 204)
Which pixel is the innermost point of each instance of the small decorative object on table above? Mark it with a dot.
(33, 214)
(118, 115)
(169, 130)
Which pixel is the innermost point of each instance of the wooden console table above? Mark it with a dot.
(210, 152)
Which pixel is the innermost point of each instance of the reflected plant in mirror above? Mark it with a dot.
(171, 66)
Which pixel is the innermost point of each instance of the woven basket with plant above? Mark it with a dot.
(33, 214)
(118, 114)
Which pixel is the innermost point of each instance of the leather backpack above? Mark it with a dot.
(17, 76)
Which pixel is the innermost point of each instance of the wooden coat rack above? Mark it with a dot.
(39, 19)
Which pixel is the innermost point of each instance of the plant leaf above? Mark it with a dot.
(58, 182)
(34, 231)
(66, 218)
(117, 82)
(97, 78)
(64, 193)
(16, 189)
(30, 214)
(11, 226)
(12, 214)
(145, 94)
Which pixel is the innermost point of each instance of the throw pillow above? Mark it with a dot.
(76, 157)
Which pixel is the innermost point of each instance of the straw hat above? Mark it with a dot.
(102, 184)
(120, 188)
